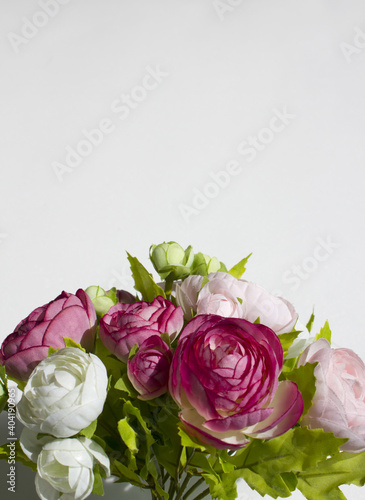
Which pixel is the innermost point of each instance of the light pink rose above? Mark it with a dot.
(231, 297)
(339, 400)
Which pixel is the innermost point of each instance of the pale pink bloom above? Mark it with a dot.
(339, 400)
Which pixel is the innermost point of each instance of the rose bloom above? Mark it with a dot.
(65, 468)
(64, 394)
(67, 315)
(149, 369)
(128, 324)
(224, 377)
(339, 401)
(231, 297)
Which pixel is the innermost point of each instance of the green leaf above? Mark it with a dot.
(143, 280)
(223, 268)
(239, 268)
(274, 488)
(128, 434)
(200, 265)
(325, 333)
(133, 351)
(114, 366)
(183, 457)
(51, 350)
(268, 461)
(90, 429)
(290, 480)
(288, 366)
(126, 475)
(286, 340)
(310, 322)
(98, 488)
(186, 440)
(200, 461)
(304, 377)
(168, 457)
(112, 294)
(124, 384)
(71, 343)
(152, 469)
(322, 482)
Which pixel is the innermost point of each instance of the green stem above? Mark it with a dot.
(168, 288)
(183, 487)
(203, 494)
(172, 487)
(193, 488)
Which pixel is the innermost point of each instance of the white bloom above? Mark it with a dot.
(64, 394)
(31, 445)
(187, 294)
(65, 468)
(231, 297)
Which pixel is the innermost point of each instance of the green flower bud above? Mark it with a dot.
(171, 261)
(101, 299)
(204, 265)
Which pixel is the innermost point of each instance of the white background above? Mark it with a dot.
(227, 73)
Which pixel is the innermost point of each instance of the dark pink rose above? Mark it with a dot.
(125, 325)
(339, 401)
(67, 315)
(224, 376)
(149, 369)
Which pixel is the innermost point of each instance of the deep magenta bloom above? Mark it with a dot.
(224, 376)
(149, 369)
(125, 325)
(67, 315)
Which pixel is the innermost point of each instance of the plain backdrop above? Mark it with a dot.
(234, 126)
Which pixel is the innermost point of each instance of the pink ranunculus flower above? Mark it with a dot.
(224, 376)
(67, 315)
(231, 297)
(125, 325)
(149, 369)
(339, 401)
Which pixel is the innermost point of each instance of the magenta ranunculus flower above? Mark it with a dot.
(67, 315)
(339, 401)
(149, 369)
(224, 377)
(125, 325)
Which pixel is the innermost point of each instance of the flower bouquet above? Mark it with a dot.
(182, 389)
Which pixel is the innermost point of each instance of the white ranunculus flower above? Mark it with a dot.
(187, 294)
(64, 394)
(65, 468)
(231, 297)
